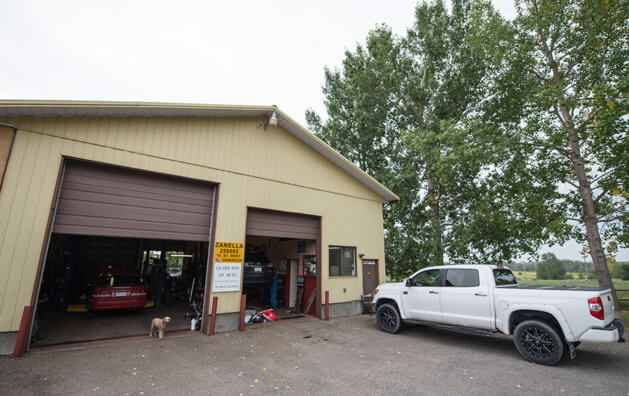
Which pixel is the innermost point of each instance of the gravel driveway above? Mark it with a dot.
(343, 356)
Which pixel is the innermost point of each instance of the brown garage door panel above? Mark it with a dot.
(281, 224)
(99, 222)
(112, 211)
(122, 233)
(76, 186)
(109, 201)
(281, 231)
(134, 177)
(116, 200)
(132, 186)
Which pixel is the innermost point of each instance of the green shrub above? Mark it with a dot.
(623, 271)
(550, 267)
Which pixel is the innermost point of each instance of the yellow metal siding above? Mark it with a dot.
(267, 169)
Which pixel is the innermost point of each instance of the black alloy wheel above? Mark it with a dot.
(538, 342)
(388, 318)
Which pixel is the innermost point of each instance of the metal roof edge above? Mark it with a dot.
(334, 156)
(284, 121)
(131, 104)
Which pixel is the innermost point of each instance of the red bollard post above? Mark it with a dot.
(22, 334)
(243, 304)
(213, 319)
(327, 305)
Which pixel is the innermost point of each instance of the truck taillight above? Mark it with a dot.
(101, 293)
(596, 308)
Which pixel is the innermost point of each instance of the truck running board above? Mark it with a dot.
(451, 327)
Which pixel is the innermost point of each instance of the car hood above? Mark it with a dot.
(390, 286)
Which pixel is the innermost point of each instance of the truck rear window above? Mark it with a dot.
(504, 277)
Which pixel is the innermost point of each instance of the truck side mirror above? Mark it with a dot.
(408, 282)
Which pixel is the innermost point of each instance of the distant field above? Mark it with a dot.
(532, 275)
(528, 278)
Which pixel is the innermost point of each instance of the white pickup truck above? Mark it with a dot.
(544, 321)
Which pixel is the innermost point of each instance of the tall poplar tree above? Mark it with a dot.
(564, 96)
(409, 111)
(361, 103)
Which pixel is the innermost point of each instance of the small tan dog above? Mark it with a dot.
(159, 325)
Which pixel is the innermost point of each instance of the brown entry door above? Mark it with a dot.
(370, 275)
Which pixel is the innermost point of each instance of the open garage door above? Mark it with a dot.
(126, 246)
(282, 260)
(270, 223)
(101, 200)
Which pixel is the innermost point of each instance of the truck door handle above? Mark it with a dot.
(481, 294)
(433, 292)
(404, 292)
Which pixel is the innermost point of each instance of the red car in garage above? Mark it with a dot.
(117, 288)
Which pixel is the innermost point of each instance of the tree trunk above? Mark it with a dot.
(590, 219)
(433, 200)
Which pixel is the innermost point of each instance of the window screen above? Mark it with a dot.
(342, 261)
(462, 278)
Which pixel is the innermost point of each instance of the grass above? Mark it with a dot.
(529, 278)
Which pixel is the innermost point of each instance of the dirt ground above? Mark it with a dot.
(67, 327)
(343, 356)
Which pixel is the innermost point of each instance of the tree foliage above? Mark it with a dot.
(498, 136)
(409, 111)
(550, 267)
(561, 100)
(361, 107)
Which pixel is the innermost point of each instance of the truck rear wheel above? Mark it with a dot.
(389, 319)
(538, 342)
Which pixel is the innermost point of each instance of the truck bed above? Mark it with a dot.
(574, 288)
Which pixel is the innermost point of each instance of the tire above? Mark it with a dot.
(538, 342)
(388, 318)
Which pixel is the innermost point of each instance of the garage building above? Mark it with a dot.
(156, 201)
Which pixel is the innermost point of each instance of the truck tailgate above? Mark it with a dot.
(608, 305)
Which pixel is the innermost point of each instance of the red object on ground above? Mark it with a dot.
(213, 319)
(22, 334)
(310, 286)
(269, 315)
(243, 304)
(125, 292)
(327, 305)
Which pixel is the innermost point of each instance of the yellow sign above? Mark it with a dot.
(228, 252)
(227, 266)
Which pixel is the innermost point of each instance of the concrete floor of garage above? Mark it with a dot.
(343, 356)
(72, 327)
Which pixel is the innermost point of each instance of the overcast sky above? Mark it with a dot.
(225, 52)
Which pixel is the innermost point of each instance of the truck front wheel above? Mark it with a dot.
(538, 342)
(389, 319)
